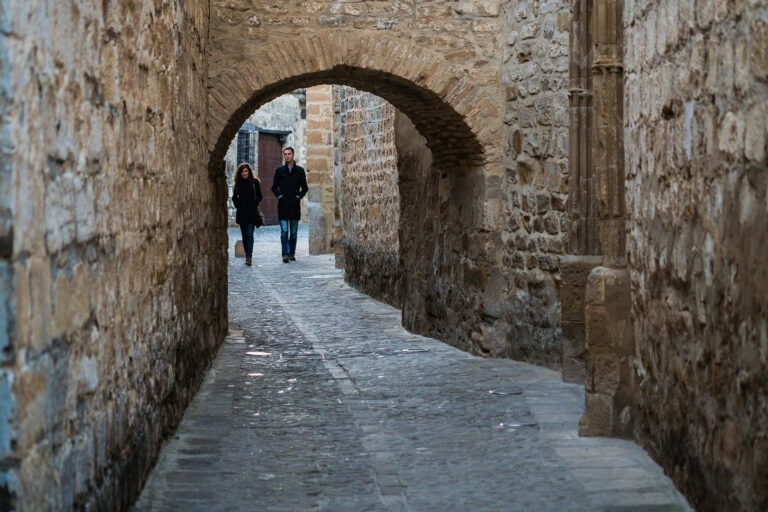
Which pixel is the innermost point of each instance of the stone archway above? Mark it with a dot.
(460, 119)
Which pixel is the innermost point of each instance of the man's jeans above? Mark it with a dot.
(289, 245)
(247, 232)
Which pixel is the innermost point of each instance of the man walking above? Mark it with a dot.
(289, 186)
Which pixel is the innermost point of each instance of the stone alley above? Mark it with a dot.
(533, 271)
(320, 400)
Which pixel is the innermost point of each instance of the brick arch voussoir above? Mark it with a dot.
(447, 106)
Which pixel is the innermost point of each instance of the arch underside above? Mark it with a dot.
(459, 117)
(448, 136)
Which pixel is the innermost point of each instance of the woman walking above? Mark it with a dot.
(246, 195)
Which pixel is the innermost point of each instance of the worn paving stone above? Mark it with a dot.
(319, 400)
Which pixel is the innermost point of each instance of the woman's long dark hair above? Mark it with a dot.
(250, 177)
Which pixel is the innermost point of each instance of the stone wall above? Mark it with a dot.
(696, 105)
(419, 223)
(535, 229)
(410, 53)
(113, 244)
(320, 168)
(112, 216)
(369, 201)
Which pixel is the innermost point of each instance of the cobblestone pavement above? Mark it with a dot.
(320, 400)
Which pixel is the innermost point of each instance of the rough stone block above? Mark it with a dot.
(478, 7)
(574, 353)
(575, 332)
(595, 290)
(605, 373)
(572, 303)
(597, 325)
(574, 270)
(598, 416)
(319, 242)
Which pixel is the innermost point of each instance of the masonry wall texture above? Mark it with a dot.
(535, 222)
(115, 118)
(369, 198)
(420, 57)
(696, 106)
(113, 282)
(320, 169)
(418, 180)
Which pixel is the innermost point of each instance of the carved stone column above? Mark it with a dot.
(609, 335)
(584, 241)
(608, 83)
(582, 202)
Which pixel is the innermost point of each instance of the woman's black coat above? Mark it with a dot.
(292, 186)
(246, 197)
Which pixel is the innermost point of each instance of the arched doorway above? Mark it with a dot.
(456, 247)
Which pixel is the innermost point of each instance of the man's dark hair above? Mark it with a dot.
(289, 147)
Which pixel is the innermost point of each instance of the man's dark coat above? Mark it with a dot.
(292, 186)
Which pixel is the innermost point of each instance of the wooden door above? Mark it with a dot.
(270, 158)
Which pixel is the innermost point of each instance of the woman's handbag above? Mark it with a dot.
(259, 215)
(259, 218)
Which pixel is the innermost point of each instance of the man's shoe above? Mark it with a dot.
(248, 261)
(285, 259)
(292, 257)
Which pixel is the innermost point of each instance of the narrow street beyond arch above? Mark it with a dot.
(320, 400)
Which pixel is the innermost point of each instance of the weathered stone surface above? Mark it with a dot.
(697, 243)
(535, 77)
(410, 62)
(320, 168)
(111, 232)
(117, 293)
(369, 200)
(610, 343)
(574, 271)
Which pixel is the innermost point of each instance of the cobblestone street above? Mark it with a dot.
(319, 400)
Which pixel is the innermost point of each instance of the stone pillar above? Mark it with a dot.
(320, 168)
(608, 148)
(582, 201)
(584, 241)
(609, 335)
(610, 344)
